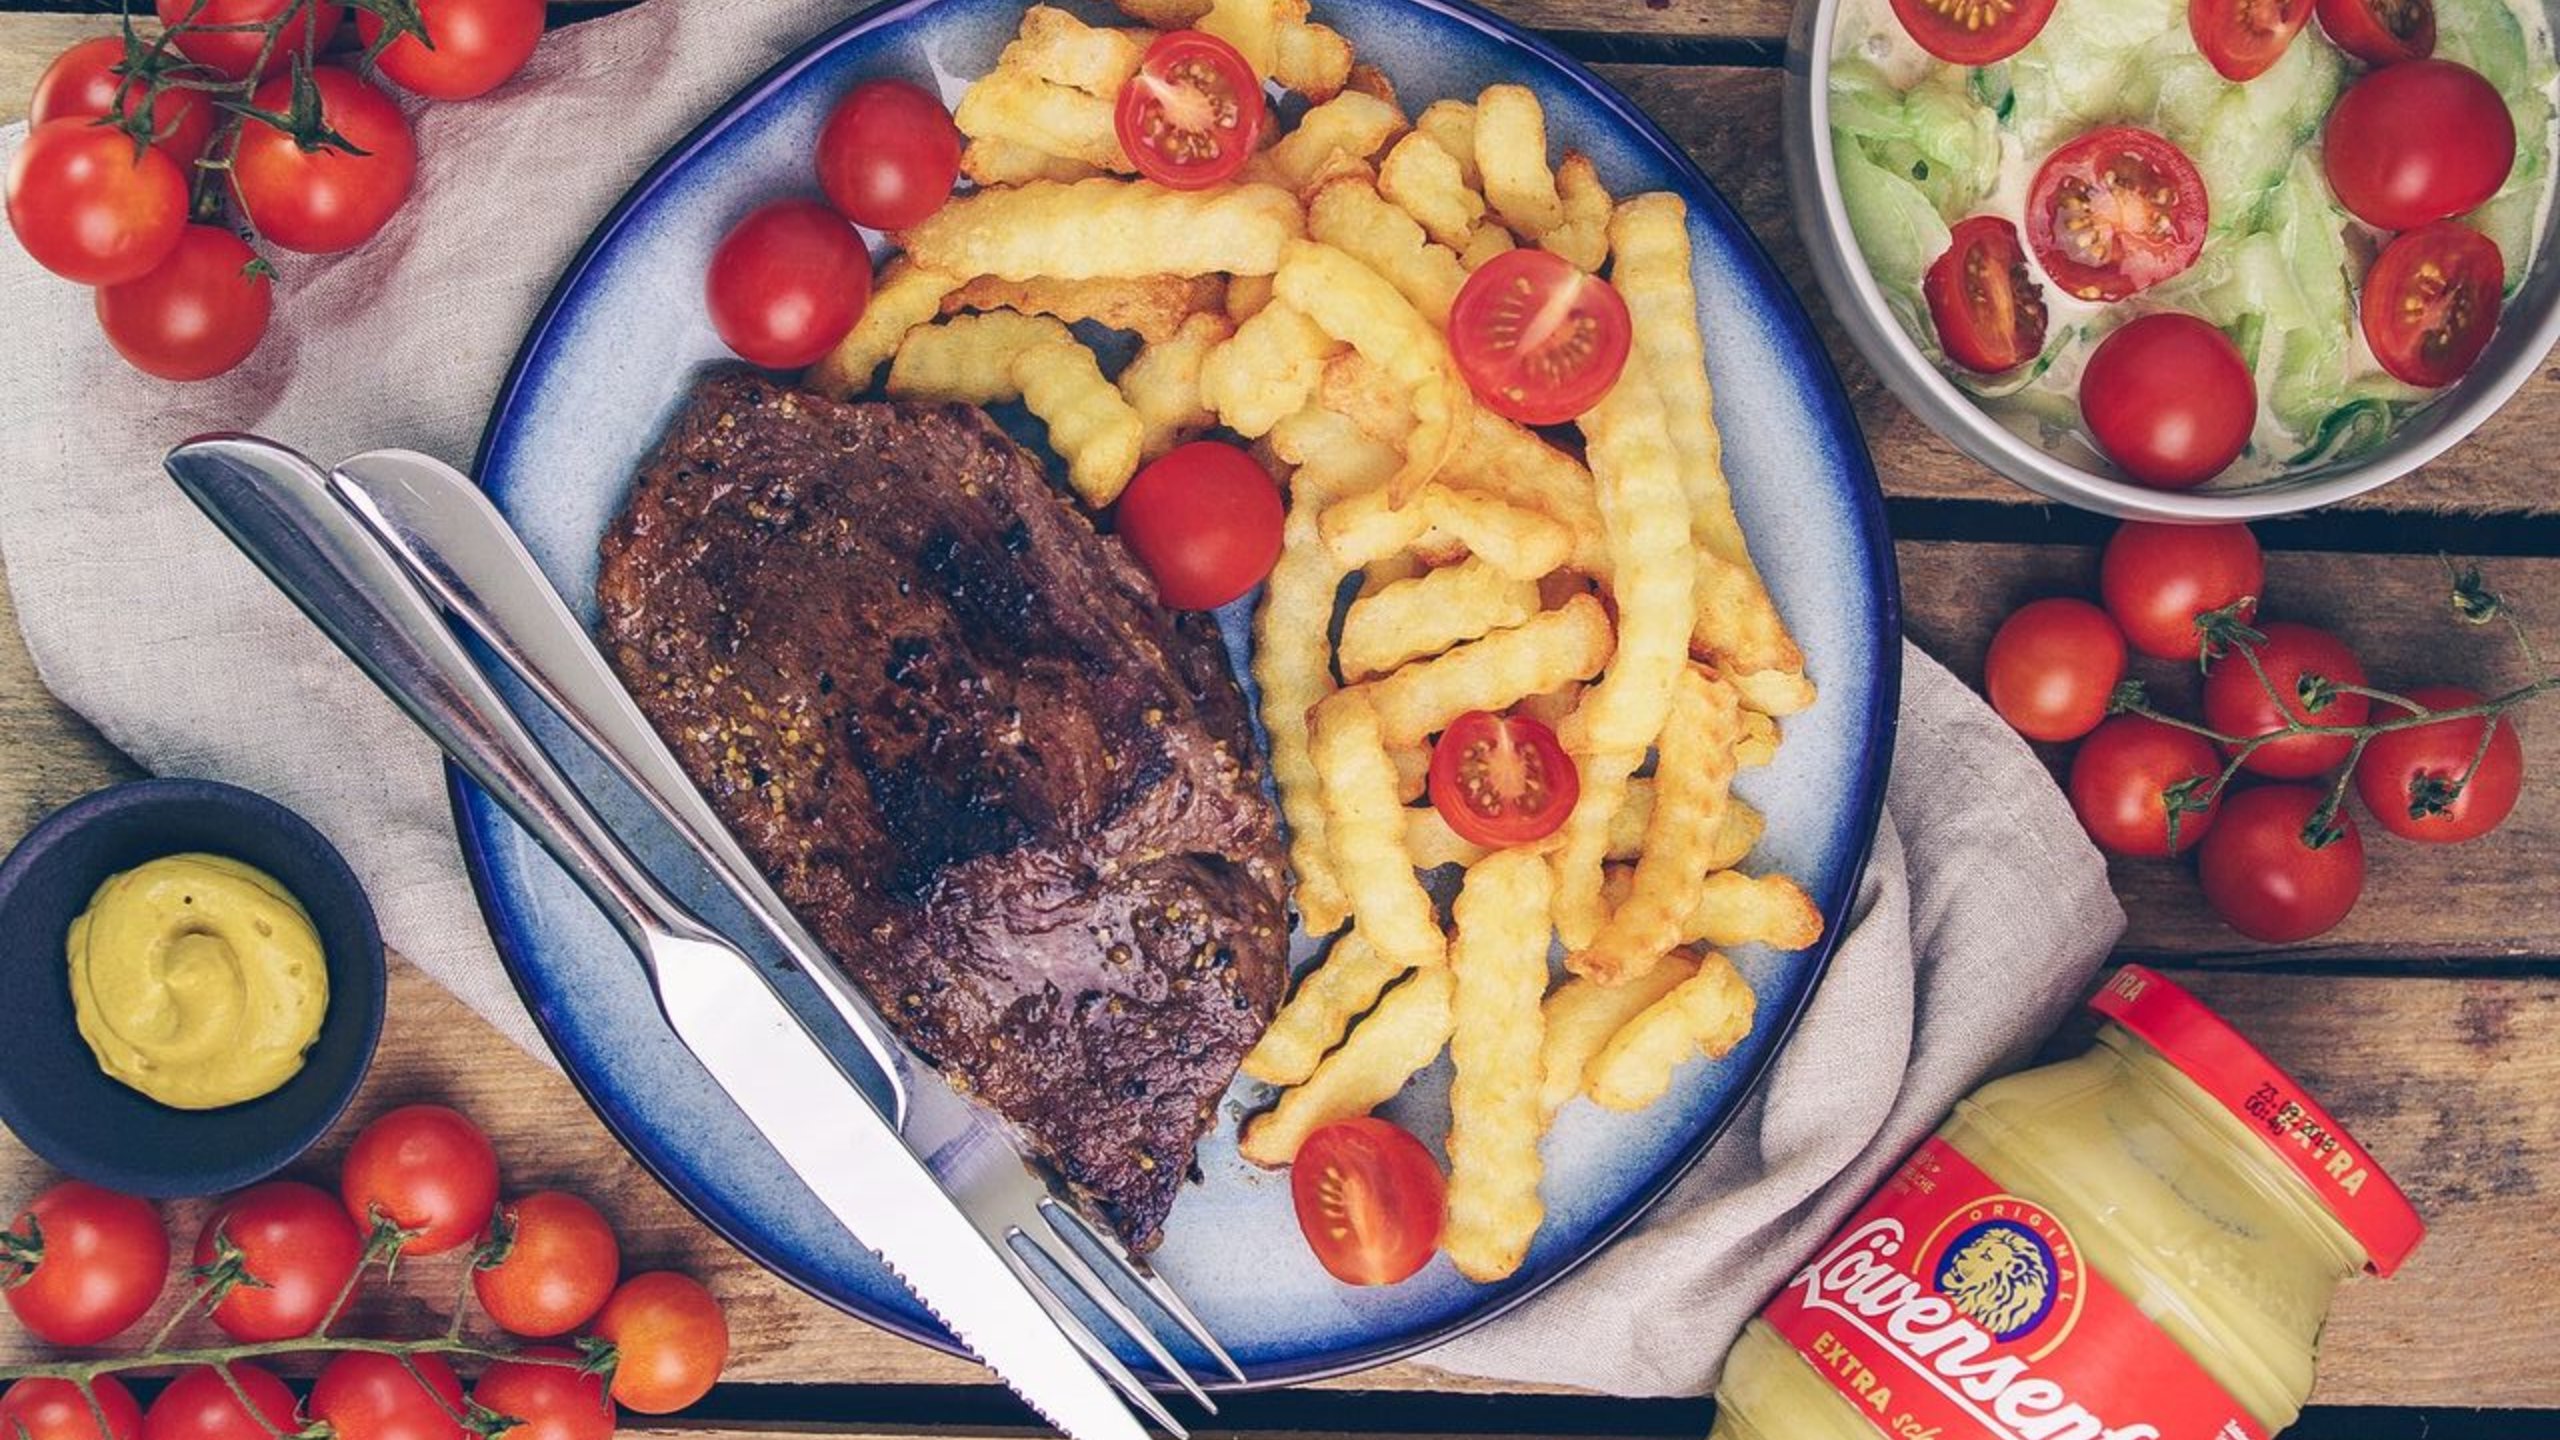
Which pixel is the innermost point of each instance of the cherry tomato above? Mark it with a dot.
(89, 207)
(889, 155)
(297, 1241)
(324, 200)
(2396, 761)
(81, 1264)
(2381, 32)
(81, 84)
(364, 1396)
(1970, 32)
(547, 1402)
(2116, 212)
(1538, 339)
(2052, 668)
(2261, 877)
(1502, 780)
(787, 283)
(2411, 143)
(2431, 302)
(201, 313)
(2235, 703)
(477, 46)
(197, 1405)
(669, 1341)
(43, 1408)
(221, 38)
(1189, 117)
(549, 1265)
(2120, 778)
(1369, 1200)
(2156, 579)
(1204, 520)
(427, 1169)
(2245, 38)
(2169, 400)
(1988, 307)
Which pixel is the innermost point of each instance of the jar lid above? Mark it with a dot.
(2273, 1105)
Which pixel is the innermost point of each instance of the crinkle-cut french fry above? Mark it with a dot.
(1373, 82)
(1453, 124)
(1055, 46)
(1759, 743)
(1692, 786)
(1246, 295)
(1428, 838)
(1583, 238)
(1162, 383)
(1498, 956)
(1738, 909)
(1394, 569)
(1483, 243)
(1522, 543)
(1736, 832)
(981, 359)
(1653, 570)
(1294, 673)
(1413, 770)
(1426, 182)
(1337, 990)
(1164, 14)
(1511, 157)
(1573, 643)
(969, 358)
(1710, 1013)
(1334, 459)
(1055, 120)
(1503, 458)
(1736, 623)
(1108, 227)
(1267, 370)
(1400, 1037)
(1354, 218)
(1151, 306)
(905, 297)
(1549, 707)
(1354, 386)
(993, 162)
(1313, 60)
(1423, 616)
(1581, 846)
(1583, 1016)
(1349, 125)
(1364, 829)
(1253, 27)
(1357, 306)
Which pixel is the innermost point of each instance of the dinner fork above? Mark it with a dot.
(445, 531)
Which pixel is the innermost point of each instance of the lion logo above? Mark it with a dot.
(2000, 1276)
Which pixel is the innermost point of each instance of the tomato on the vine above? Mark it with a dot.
(471, 48)
(320, 199)
(298, 1243)
(787, 283)
(80, 1264)
(1502, 780)
(2423, 141)
(365, 1396)
(426, 1169)
(2430, 302)
(90, 207)
(1988, 307)
(2245, 38)
(2381, 32)
(1204, 521)
(2169, 399)
(1189, 117)
(1369, 1200)
(670, 1341)
(81, 84)
(2053, 667)
(41, 1407)
(553, 1401)
(2121, 776)
(1539, 339)
(888, 155)
(1968, 32)
(548, 1265)
(225, 35)
(199, 314)
(2406, 772)
(2115, 212)
(2157, 579)
(2265, 879)
(2237, 703)
(198, 1405)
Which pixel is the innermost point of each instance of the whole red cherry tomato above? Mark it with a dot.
(81, 1264)
(2156, 579)
(2053, 667)
(471, 48)
(364, 1396)
(198, 1405)
(2405, 774)
(2269, 883)
(81, 84)
(888, 155)
(548, 1402)
(2168, 398)
(548, 1266)
(225, 36)
(426, 1169)
(323, 199)
(670, 1341)
(787, 283)
(297, 1241)
(199, 314)
(89, 207)
(2423, 141)
(1204, 520)
(2236, 702)
(2121, 776)
(43, 1408)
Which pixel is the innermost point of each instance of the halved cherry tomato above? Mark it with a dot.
(1189, 117)
(1989, 308)
(2245, 38)
(888, 155)
(1369, 1199)
(81, 83)
(2237, 702)
(2381, 32)
(1205, 522)
(2116, 212)
(2168, 398)
(2431, 301)
(1538, 339)
(1973, 32)
(2411, 143)
(1502, 780)
(2398, 762)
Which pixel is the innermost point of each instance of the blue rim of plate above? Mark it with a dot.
(1868, 785)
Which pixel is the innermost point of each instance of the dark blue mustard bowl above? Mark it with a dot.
(54, 1097)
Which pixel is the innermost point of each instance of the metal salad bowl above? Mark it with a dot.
(2528, 327)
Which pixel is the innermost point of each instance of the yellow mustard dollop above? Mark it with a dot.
(198, 981)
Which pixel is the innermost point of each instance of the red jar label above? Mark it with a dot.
(1949, 1309)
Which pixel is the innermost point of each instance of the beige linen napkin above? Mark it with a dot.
(1981, 918)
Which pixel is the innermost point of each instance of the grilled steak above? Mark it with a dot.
(1013, 797)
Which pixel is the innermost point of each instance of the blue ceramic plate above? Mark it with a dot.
(611, 358)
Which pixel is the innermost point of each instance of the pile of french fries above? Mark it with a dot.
(1609, 593)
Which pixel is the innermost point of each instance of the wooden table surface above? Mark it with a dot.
(2425, 1020)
